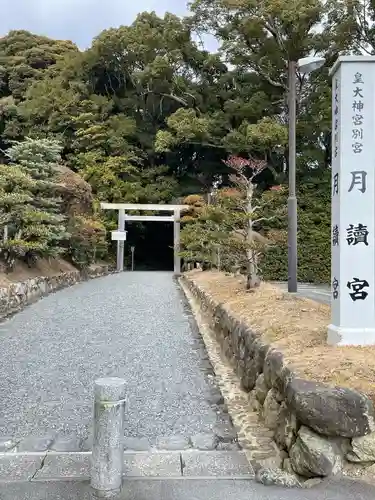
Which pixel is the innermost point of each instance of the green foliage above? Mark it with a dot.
(224, 233)
(87, 242)
(314, 242)
(29, 202)
(145, 115)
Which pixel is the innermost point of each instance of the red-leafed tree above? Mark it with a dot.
(226, 233)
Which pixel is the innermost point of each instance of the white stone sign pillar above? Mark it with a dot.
(353, 206)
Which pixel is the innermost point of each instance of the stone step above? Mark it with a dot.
(223, 438)
(36, 466)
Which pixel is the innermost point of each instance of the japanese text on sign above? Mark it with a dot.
(335, 235)
(357, 288)
(357, 119)
(336, 119)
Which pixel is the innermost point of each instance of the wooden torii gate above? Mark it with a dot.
(120, 234)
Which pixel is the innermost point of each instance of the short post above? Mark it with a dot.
(108, 440)
(120, 243)
(176, 231)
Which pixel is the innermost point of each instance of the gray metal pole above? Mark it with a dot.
(292, 200)
(176, 232)
(132, 251)
(121, 244)
(108, 441)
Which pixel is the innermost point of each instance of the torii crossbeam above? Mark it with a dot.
(120, 234)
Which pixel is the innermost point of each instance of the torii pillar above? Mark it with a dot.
(120, 234)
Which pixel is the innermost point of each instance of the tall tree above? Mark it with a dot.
(42, 230)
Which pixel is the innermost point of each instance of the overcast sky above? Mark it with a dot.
(79, 20)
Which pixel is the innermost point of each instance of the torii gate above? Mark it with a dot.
(120, 234)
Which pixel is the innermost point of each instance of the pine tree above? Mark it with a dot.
(15, 198)
(38, 228)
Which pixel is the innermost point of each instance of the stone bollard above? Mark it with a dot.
(108, 440)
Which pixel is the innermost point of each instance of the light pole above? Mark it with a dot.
(305, 65)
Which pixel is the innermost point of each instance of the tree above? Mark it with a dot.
(258, 40)
(245, 172)
(15, 198)
(225, 233)
(350, 26)
(40, 230)
(147, 114)
(24, 59)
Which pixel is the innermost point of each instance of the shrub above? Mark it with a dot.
(87, 242)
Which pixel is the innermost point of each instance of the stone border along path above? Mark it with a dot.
(255, 439)
(138, 326)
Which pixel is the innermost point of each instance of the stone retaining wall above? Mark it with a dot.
(19, 295)
(321, 430)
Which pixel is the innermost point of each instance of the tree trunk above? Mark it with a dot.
(252, 280)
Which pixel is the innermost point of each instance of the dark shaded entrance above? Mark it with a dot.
(153, 242)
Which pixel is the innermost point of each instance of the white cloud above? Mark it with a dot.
(79, 20)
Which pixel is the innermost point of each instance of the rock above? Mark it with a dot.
(205, 442)
(313, 455)
(310, 483)
(136, 444)
(172, 443)
(225, 433)
(277, 477)
(237, 339)
(253, 364)
(215, 399)
(268, 461)
(287, 465)
(228, 447)
(364, 448)
(352, 457)
(331, 411)
(261, 389)
(271, 409)
(254, 404)
(272, 368)
(286, 428)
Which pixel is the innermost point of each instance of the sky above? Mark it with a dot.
(80, 20)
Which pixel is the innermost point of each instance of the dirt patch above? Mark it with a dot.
(44, 267)
(298, 327)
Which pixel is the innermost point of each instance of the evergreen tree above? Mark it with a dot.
(15, 198)
(39, 229)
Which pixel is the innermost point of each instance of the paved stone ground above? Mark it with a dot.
(188, 490)
(131, 325)
(156, 464)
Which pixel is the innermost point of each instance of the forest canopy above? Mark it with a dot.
(147, 115)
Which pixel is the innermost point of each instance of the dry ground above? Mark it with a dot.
(43, 267)
(298, 327)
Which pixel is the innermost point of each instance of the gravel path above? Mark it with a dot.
(132, 325)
